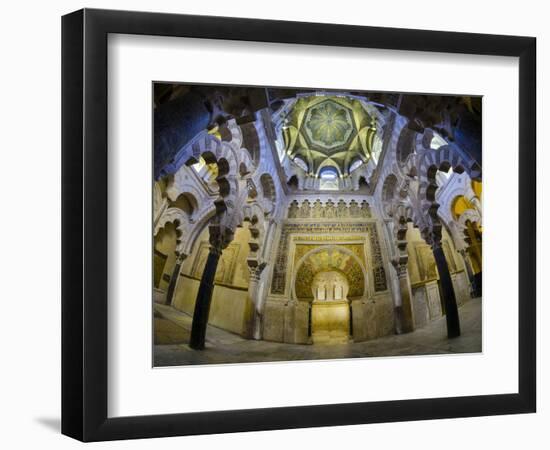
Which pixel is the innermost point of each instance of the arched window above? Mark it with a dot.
(329, 178)
(301, 164)
(355, 165)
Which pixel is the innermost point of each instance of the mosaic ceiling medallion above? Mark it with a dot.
(328, 126)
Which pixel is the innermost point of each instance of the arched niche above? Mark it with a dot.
(328, 258)
(330, 314)
(186, 202)
(330, 285)
(329, 178)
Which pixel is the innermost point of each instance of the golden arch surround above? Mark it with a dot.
(321, 248)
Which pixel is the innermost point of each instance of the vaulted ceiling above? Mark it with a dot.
(326, 130)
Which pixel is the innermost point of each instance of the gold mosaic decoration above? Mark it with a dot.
(329, 259)
(375, 264)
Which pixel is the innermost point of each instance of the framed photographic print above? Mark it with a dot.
(276, 225)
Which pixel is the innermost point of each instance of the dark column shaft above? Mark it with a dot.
(204, 299)
(448, 293)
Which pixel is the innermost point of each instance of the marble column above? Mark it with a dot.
(397, 305)
(474, 251)
(394, 279)
(447, 291)
(253, 321)
(404, 312)
(204, 299)
(174, 279)
(469, 271)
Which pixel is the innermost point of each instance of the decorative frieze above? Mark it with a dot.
(329, 210)
(380, 283)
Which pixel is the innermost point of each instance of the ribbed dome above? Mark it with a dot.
(329, 131)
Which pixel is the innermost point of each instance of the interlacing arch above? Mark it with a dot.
(194, 231)
(470, 215)
(443, 159)
(180, 220)
(397, 206)
(158, 200)
(233, 162)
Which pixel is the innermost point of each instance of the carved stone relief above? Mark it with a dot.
(376, 264)
(329, 210)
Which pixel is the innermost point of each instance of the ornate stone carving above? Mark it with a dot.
(354, 210)
(288, 229)
(329, 210)
(342, 209)
(256, 271)
(322, 258)
(400, 268)
(380, 283)
(293, 210)
(365, 209)
(317, 211)
(305, 210)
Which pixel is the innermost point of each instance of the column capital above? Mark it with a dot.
(220, 237)
(401, 266)
(432, 236)
(402, 270)
(255, 269)
(180, 257)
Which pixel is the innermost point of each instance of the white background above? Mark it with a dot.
(135, 389)
(30, 234)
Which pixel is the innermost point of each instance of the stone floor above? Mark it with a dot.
(172, 333)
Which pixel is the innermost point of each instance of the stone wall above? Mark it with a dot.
(228, 306)
(462, 287)
(289, 321)
(286, 322)
(420, 307)
(274, 321)
(426, 302)
(372, 318)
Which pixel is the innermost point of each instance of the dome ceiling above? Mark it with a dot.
(329, 131)
(328, 127)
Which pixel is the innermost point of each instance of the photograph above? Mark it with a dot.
(273, 225)
(296, 223)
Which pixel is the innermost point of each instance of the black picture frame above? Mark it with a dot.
(84, 224)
